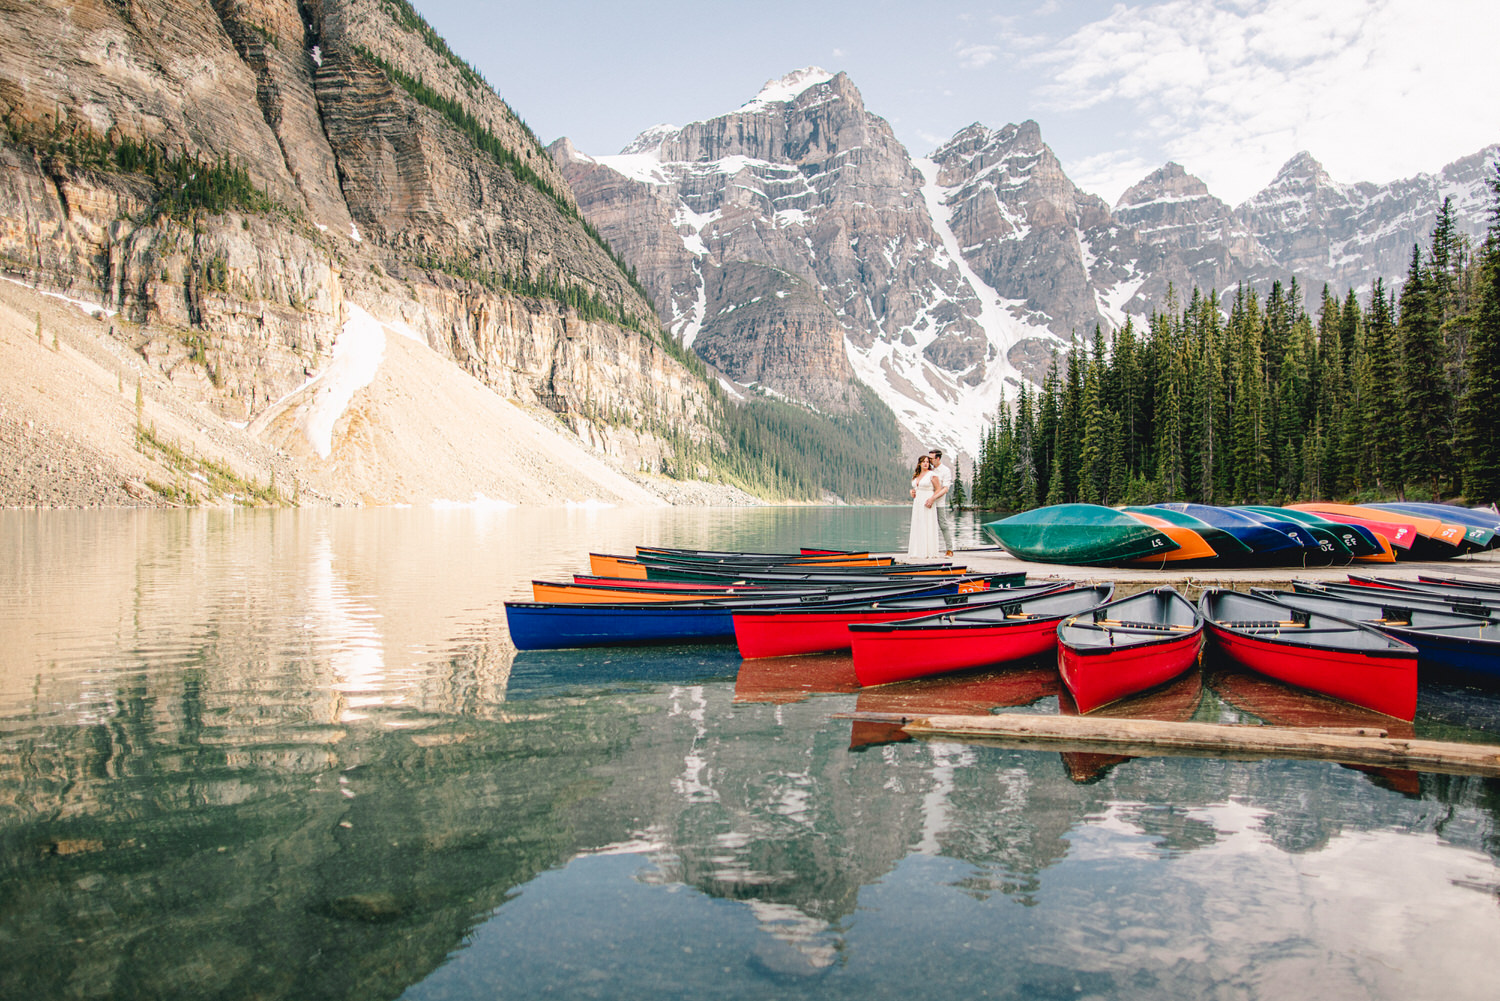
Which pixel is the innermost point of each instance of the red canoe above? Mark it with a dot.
(790, 631)
(1127, 646)
(1332, 656)
(952, 641)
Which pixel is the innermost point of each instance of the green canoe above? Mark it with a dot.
(1077, 534)
(1346, 542)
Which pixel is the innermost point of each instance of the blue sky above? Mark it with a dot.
(1231, 89)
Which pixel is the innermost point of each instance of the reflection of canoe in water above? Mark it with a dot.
(1174, 702)
(785, 680)
(1278, 704)
(971, 693)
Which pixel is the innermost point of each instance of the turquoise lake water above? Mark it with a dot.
(292, 755)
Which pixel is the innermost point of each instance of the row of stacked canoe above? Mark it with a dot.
(1360, 642)
(1316, 533)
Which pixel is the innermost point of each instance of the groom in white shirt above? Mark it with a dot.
(945, 480)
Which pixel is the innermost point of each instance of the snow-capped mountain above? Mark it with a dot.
(791, 243)
(795, 244)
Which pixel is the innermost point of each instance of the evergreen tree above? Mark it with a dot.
(1478, 438)
(958, 498)
(1047, 416)
(1208, 397)
(1171, 461)
(1094, 458)
(1380, 398)
(1063, 481)
(1247, 407)
(1424, 380)
(1026, 475)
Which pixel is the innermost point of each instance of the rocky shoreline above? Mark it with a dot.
(86, 422)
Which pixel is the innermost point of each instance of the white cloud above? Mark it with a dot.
(1375, 89)
(972, 57)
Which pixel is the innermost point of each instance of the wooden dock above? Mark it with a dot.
(1368, 746)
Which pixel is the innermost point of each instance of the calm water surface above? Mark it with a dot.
(293, 756)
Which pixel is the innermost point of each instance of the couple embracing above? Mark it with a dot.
(929, 490)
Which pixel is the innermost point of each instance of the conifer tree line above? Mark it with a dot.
(1394, 395)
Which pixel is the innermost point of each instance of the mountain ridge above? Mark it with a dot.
(1032, 259)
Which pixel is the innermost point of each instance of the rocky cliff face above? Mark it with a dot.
(1021, 222)
(790, 243)
(1350, 234)
(796, 228)
(354, 131)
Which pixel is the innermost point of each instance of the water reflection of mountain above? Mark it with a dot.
(188, 843)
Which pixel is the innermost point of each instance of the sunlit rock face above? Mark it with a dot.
(377, 200)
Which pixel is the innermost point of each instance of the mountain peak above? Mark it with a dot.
(1168, 180)
(648, 140)
(789, 87)
(1302, 167)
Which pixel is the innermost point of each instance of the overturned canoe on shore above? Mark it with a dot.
(1078, 535)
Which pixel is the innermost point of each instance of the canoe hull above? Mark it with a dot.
(1096, 678)
(794, 631)
(1127, 646)
(1385, 684)
(1079, 535)
(883, 657)
(536, 626)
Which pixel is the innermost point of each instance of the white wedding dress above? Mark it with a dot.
(922, 544)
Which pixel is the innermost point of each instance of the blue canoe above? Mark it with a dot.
(546, 625)
(1270, 541)
(1485, 605)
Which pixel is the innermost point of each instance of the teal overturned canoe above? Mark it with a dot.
(1077, 534)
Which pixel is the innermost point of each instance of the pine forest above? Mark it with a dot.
(1395, 394)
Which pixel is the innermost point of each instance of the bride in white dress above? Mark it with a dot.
(926, 488)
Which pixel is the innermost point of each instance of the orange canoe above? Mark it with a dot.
(1190, 545)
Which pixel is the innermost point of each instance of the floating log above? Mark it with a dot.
(1143, 737)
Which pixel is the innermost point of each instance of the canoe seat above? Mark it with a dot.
(1160, 627)
(1261, 624)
